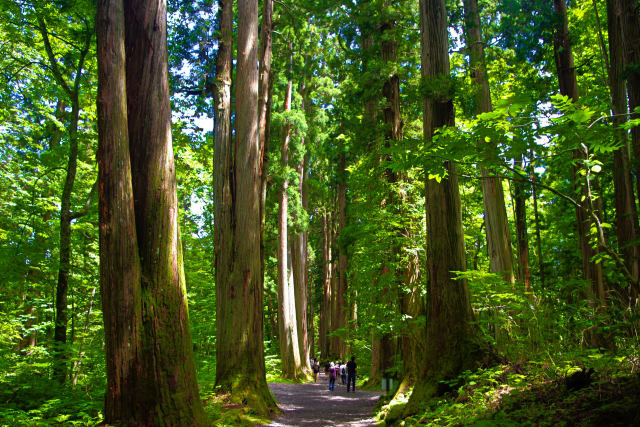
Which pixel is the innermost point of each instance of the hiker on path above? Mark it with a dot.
(351, 373)
(343, 373)
(332, 376)
(316, 369)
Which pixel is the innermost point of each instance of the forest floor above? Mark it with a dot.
(312, 404)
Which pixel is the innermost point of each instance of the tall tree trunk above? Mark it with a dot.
(453, 343)
(264, 114)
(120, 269)
(342, 308)
(392, 118)
(626, 215)
(569, 87)
(288, 326)
(495, 213)
(72, 91)
(166, 333)
(325, 313)
(299, 262)
(240, 368)
(142, 280)
(630, 25)
(536, 219)
(522, 236)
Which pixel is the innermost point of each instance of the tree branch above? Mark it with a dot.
(87, 204)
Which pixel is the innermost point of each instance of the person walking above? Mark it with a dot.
(351, 373)
(332, 376)
(343, 373)
(316, 369)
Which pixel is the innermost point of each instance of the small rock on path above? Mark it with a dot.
(312, 404)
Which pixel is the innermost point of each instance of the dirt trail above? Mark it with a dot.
(314, 405)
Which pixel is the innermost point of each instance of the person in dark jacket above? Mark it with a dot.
(351, 373)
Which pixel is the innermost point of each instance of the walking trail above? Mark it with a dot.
(312, 404)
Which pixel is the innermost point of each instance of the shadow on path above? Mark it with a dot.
(312, 404)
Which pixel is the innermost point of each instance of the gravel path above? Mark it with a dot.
(312, 404)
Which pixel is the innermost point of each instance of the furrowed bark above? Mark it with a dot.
(120, 270)
(453, 340)
(170, 393)
(626, 215)
(240, 348)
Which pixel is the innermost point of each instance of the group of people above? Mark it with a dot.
(346, 371)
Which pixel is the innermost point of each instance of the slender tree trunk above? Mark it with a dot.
(78, 362)
(325, 311)
(495, 214)
(64, 269)
(626, 215)
(342, 308)
(453, 343)
(299, 262)
(569, 87)
(264, 114)
(536, 219)
(240, 368)
(522, 236)
(288, 327)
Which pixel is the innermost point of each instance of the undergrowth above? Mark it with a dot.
(536, 393)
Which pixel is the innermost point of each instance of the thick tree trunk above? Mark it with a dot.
(626, 215)
(151, 388)
(120, 270)
(240, 368)
(495, 214)
(142, 282)
(522, 236)
(453, 343)
(569, 87)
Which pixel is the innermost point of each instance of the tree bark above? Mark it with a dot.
(240, 368)
(142, 282)
(521, 230)
(453, 343)
(143, 276)
(626, 215)
(495, 213)
(536, 219)
(630, 26)
(120, 269)
(264, 114)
